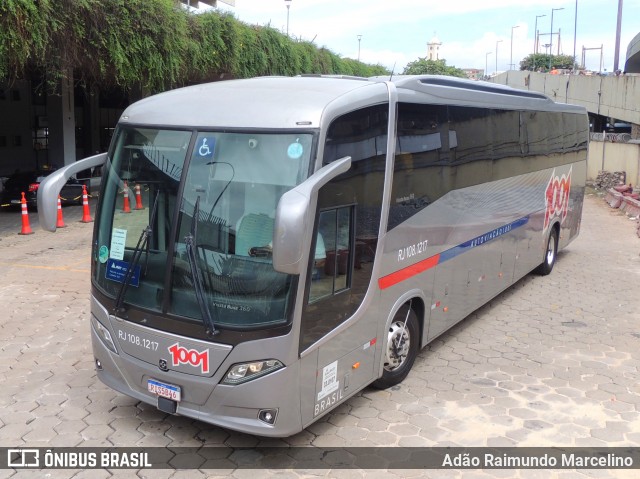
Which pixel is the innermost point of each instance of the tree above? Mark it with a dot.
(152, 44)
(423, 66)
(540, 62)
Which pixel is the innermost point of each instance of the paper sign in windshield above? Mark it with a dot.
(117, 270)
(118, 240)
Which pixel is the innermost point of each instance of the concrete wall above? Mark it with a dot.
(615, 157)
(617, 97)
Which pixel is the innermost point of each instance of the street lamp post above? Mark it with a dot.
(616, 53)
(486, 60)
(535, 35)
(499, 41)
(359, 38)
(511, 57)
(551, 37)
(288, 4)
(575, 31)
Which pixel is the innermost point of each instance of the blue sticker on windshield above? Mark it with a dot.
(295, 151)
(205, 147)
(117, 270)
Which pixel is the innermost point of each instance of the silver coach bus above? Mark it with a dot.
(286, 242)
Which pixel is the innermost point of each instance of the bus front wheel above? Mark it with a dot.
(550, 253)
(402, 348)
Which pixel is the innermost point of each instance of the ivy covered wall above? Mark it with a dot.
(153, 44)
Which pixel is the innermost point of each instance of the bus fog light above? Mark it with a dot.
(98, 364)
(104, 334)
(243, 372)
(268, 415)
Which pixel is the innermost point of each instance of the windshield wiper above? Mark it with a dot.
(143, 242)
(191, 245)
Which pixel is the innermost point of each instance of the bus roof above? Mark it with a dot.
(265, 102)
(300, 102)
(458, 91)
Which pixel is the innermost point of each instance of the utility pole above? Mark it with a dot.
(551, 37)
(535, 34)
(617, 49)
(575, 31)
(511, 65)
(288, 4)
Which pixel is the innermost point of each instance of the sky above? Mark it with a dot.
(396, 32)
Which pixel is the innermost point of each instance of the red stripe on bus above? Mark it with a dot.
(408, 272)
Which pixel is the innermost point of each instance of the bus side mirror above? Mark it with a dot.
(295, 216)
(50, 187)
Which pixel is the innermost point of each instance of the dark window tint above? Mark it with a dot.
(348, 222)
(443, 148)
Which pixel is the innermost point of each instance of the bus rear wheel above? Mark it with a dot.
(550, 254)
(401, 350)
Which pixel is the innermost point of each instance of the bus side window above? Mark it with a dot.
(333, 252)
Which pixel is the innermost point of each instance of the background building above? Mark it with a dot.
(433, 48)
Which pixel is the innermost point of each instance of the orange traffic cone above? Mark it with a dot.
(138, 199)
(125, 207)
(86, 214)
(26, 228)
(60, 223)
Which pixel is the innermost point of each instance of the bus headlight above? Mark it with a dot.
(104, 335)
(243, 372)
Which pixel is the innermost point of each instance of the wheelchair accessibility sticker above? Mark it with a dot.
(206, 147)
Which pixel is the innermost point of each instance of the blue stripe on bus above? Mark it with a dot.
(482, 239)
(432, 261)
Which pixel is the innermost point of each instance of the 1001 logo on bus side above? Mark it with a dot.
(557, 198)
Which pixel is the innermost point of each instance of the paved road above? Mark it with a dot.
(553, 361)
(11, 218)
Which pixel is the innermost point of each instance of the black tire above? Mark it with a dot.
(399, 356)
(550, 254)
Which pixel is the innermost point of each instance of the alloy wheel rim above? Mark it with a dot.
(397, 346)
(551, 249)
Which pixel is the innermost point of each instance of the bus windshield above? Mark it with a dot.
(221, 217)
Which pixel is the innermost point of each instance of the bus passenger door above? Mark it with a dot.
(341, 259)
(344, 364)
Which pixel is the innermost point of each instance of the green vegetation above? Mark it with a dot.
(150, 43)
(540, 62)
(422, 66)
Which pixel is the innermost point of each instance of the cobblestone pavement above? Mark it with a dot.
(553, 361)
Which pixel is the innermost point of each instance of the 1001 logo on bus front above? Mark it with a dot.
(181, 355)
(557, 198)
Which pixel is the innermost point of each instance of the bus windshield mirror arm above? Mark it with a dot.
(143, 242)
(191, 245)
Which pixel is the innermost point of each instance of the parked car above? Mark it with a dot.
(92, 178)
(29, 183)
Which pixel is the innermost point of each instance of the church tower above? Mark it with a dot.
(433, 48)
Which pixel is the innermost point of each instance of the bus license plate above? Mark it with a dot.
(169, 391)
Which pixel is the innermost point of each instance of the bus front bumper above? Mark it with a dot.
(236, 407)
